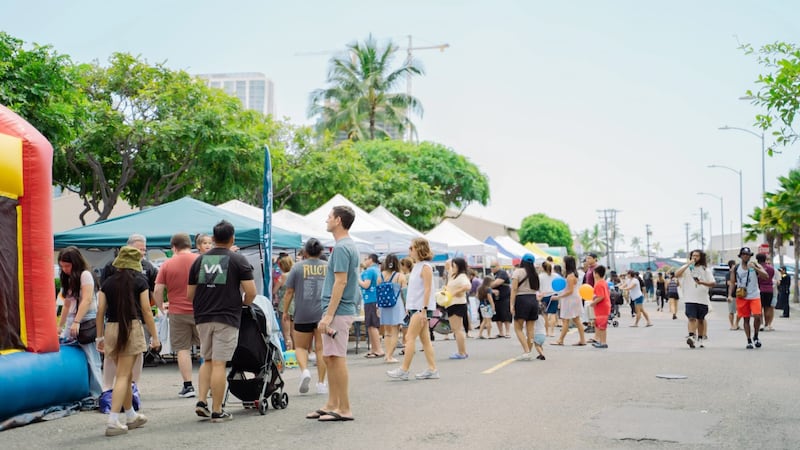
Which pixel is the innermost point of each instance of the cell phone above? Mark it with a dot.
(696, 279)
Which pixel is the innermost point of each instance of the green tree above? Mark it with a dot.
(361, 100)
(779, 89)
(41, 86)
(539, 228)
(787, 202)
(636, 245)
(591, 240)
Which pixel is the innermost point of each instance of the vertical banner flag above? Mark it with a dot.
(266, 235)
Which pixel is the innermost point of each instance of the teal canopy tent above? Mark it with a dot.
(159, 223)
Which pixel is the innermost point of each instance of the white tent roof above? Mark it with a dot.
(459, 241)
(384, 236)
(386, 216)
(288, 220)
(512, 246)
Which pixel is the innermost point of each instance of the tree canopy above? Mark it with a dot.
(539, 228)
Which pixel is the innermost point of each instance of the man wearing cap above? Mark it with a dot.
(216, 281)
(744, 287)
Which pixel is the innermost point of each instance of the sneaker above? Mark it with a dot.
(428, 374)
(749, 346)
(305, 379)
(599, 345)
(223, 416)
(540, 357)
(757, 341)
(589, 330)
(458, 356)
(201, 409)
(700, 342)
(690, 341)
(187, 391)
(398, 373)
(524, 357)
(116, 428)
(138, 421)
(322, 388)
(674, 317)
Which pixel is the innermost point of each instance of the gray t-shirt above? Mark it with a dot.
(344, 258)
(306, 279)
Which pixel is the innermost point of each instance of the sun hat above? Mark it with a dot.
(128, 258)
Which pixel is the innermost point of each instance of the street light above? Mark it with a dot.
(721, 221)
(741, 206)
(763, 160)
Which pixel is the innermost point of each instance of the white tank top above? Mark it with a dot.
(416, 289)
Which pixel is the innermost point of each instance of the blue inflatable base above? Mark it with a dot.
(33, 381)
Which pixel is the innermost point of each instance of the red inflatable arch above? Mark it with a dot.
(27, 291)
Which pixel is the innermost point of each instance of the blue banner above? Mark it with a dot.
(266, 235)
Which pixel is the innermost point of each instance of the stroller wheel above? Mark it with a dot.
(615, 323)
(284, 400)
(275, 399)
(262, 406)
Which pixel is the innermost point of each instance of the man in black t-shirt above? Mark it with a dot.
(215, 280)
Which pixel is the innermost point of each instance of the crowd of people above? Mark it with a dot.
(317, 298)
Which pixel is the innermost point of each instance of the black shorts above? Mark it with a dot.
(526, 307)
(766, 300)
(502, 311)
(696, 311)
(457, 310)
(371, 318)
(305, 327)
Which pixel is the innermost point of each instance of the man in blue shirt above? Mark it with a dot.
(339, 297)
(369, 292)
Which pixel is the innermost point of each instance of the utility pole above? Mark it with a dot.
(647, 238)
(687, 239)
(609, 218)
(702, 233)
(409, 58)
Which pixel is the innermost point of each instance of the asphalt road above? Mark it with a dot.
(580, 397)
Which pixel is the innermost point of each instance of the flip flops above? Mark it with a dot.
(371, 355)
(317, 414)
(334, 417)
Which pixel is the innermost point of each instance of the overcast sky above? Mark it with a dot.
(568, 107)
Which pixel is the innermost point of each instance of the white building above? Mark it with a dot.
(253, 89)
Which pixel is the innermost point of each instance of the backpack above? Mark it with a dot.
(385, 293)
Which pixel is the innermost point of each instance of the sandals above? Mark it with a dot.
(317, 414)
(371, 355)
(556, 343)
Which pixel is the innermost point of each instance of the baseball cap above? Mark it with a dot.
(745, 251)
(592, 254)
(528, 258)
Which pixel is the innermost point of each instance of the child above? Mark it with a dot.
(485, 308)
(602, 306)
(539, 334)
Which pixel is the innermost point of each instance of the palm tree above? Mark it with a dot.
(361, 100)
(636, 245)
(592, 241)
(787, 202)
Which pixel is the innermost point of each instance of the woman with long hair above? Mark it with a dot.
(285, 264)
(420, 303)
(485, 307)
(524, 303)
(634, 286)
(124, 302)
(391, 318)
(458, 285)
(304, 285)
(569, 302)
(80, 306)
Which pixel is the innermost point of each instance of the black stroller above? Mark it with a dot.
(256, 365)
(616, 300)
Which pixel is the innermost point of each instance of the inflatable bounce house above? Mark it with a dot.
(35, 372)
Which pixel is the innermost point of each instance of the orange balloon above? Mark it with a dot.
(586, 292)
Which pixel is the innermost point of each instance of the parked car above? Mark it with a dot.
(720, 290)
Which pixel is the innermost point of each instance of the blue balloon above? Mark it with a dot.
(558, 284)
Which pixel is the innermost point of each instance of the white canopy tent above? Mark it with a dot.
(386, 216)
(384, 237)
(289, 220)
(458, 241)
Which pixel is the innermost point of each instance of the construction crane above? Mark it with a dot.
(409, 57)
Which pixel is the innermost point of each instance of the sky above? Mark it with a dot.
(567, 107)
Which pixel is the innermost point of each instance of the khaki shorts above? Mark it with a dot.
(136, 344)
(217, 341)
(182, 332)
(337, 346)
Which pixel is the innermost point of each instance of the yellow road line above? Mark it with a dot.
(499, 366)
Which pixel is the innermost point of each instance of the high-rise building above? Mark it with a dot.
(253, 89)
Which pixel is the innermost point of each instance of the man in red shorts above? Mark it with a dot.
(744, 286)
(602, 307)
